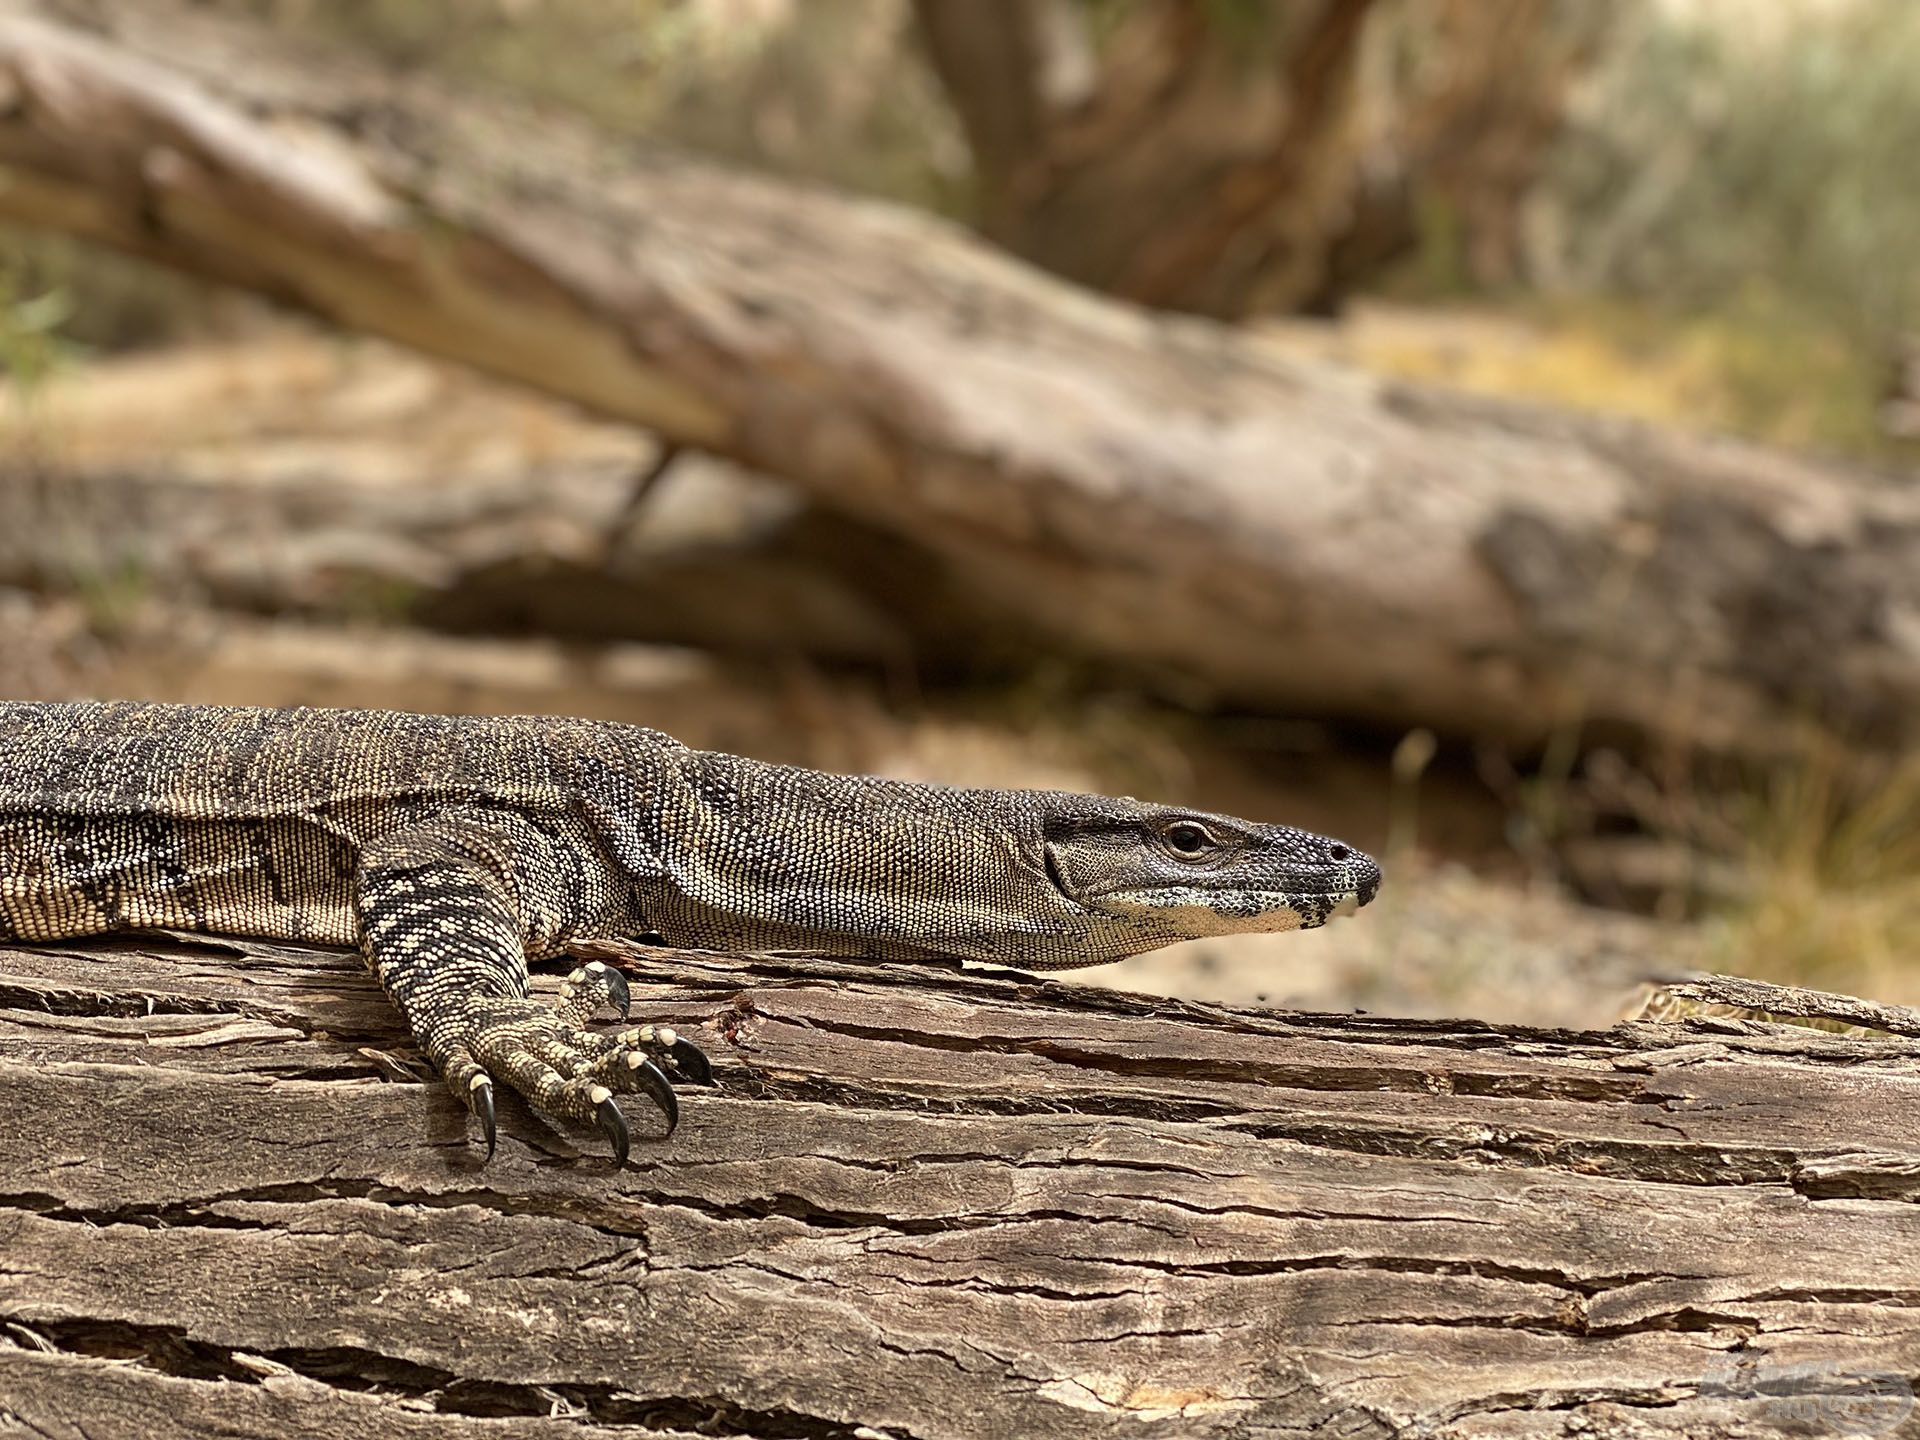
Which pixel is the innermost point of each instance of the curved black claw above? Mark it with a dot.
(480, 1098)
(618, 992)
(659, 1089)
(690, 1061)
(613, 1125)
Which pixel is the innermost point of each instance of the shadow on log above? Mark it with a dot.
(932, 1203)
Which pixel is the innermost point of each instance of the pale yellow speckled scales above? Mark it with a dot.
(451, 849)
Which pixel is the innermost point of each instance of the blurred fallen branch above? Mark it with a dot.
(1169, 498)
(644, 484)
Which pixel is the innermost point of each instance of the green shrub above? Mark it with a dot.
(1724, 164)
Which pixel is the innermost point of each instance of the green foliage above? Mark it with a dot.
(112, 594)
(99, 299)
(1716, 161)
(1723, 237)
(1244, 25)
(31, 347)
(817, 91)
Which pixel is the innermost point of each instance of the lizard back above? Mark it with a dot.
(244, 820)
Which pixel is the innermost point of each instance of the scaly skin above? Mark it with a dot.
(453, 849)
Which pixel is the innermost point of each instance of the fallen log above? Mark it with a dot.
(933, 1202)
(1191, 504)
(285, 475)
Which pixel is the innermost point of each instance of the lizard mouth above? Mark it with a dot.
(1197, 912)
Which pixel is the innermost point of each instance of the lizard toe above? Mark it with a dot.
(562, 1070)
(669, 1050)
(472, 1084)
(480, 1101)
(589, 989)
(636, 1072)
(651, 1080)
(689, 1062)
(613, 1125)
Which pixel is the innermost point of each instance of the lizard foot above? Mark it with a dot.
(563, 1069)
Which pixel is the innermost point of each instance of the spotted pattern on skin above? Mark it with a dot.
(453, 849)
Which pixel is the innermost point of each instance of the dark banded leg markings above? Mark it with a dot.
(441, 931)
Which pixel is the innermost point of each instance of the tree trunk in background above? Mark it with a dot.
(944, 1204)
(1460, 102)
(1198, 162)
(1197, 509)
(1237, 160)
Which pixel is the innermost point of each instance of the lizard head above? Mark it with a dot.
(1182, 874)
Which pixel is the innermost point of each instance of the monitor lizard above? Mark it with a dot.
(452, 849)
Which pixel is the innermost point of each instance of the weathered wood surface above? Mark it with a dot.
(1192, 504)
(936, 1203)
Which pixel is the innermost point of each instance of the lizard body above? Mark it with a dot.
(452, 849)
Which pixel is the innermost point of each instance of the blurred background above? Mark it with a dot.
(1670, 239)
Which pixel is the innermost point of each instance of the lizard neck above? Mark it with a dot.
(773, 856)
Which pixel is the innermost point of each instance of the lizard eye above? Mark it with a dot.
(1186, 838)
(1337, 851)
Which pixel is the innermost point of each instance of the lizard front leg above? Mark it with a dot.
(448, 910)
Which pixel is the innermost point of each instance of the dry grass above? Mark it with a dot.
(1833, 883)
(1761, 368)
(1807, 874)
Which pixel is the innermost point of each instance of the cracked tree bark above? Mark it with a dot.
(936, 1203)
(1166, 497)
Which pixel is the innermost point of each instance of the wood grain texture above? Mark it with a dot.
(931, 1203)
